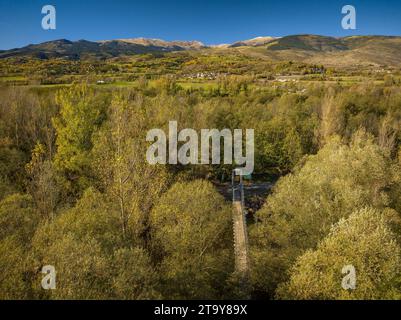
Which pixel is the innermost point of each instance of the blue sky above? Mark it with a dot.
(209, 21)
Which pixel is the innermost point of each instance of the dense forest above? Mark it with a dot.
(76, 191)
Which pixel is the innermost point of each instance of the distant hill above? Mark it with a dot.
(255, 42)
(158, 43)
(330, 44)
(346, 51)
(308, 43)
(102, 49)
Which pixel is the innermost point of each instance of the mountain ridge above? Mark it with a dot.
(374, 49)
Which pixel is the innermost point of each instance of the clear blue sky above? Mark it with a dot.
(209, 21)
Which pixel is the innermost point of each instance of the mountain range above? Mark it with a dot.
(108, 48)
(374, 50)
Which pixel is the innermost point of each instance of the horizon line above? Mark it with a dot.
(208, 44)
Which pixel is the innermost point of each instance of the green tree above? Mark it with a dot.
(92, 260)
(11, 162)
(134, 277)
(18, 222)
(191, 232)
(329, 186)
(13, 282)
(42, 184)
(367, 242)
(92, 217)
(121, 166)
(18, 218)
(81, 114)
